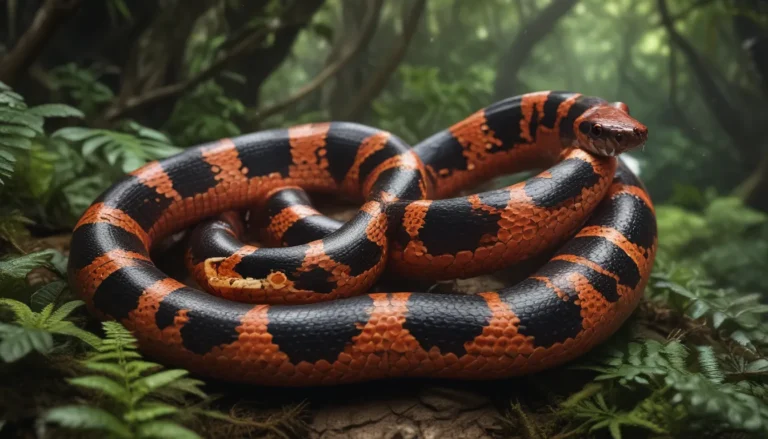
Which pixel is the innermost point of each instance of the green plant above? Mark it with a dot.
(670, 392)
(135, 391)
(126, 150)
(737, 316)
(725, 239)
(428, 102)
(20, 125)
(14, 269)
(590, 407)
(34, 330)
(82, 85)
(205, 115)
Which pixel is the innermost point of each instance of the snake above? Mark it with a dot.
(302, 307)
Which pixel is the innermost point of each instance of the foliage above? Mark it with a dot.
(739, 317)
(34, 330)
(205, 115)
(677, 394)
(82, 86)
(21, 125)
(127, 150)
(427, 103)
(724, 238)
(136, 393)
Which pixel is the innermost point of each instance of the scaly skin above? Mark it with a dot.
(294, 334)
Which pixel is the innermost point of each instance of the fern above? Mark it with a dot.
(19, 125)
(15, 269)
(596, 414)
(136, 390)
(34, 330)
(127, 150)
(700, 389)
(739, 317)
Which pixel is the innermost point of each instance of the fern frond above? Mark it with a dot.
(70, 329)
(88, 418)
(165, 429)
(709, 365)
(127, 150)
(65, 310)
(108, 386)
(17, 269)
(135, 387)
(34, 330)
(18, 341)
(19, 125)
(23, 315)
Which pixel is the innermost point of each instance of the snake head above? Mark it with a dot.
(609, 130)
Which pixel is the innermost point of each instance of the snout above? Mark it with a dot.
(640, 133)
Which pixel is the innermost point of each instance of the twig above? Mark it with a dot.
(136, 103)
(47, 20)
(377, 83)
(685, 12)
(718, 104)
(369, 27)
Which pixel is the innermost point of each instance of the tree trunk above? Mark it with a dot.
(507, 81)
(47, 20)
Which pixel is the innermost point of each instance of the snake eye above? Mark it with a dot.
(597, 129)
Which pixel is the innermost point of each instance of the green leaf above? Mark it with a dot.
(165, 429)
(108, 356)
(697, 309)
(149, 411)
(22, 118)
(91, 418)
(74, 134)
(146, 385)
(615, 429)
(718, 318)
(48, 293)
(136, 368)
(17, 131)
(116, 370)
(16, 142)
(69, 328)
(92, 144)
(709, 365)
(104, 385)
(187, 385)
(21, 311)
(19, 341)
(56, 110)
(17, 268)
(64, 310)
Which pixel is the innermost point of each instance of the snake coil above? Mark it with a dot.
(296, 313)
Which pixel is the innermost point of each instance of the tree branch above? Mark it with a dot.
(377, 83)
(330, 70)
(718, 104)
(136, 103)
(44, 25)
(521, 48)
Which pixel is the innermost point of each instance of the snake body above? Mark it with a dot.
(297, 313)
